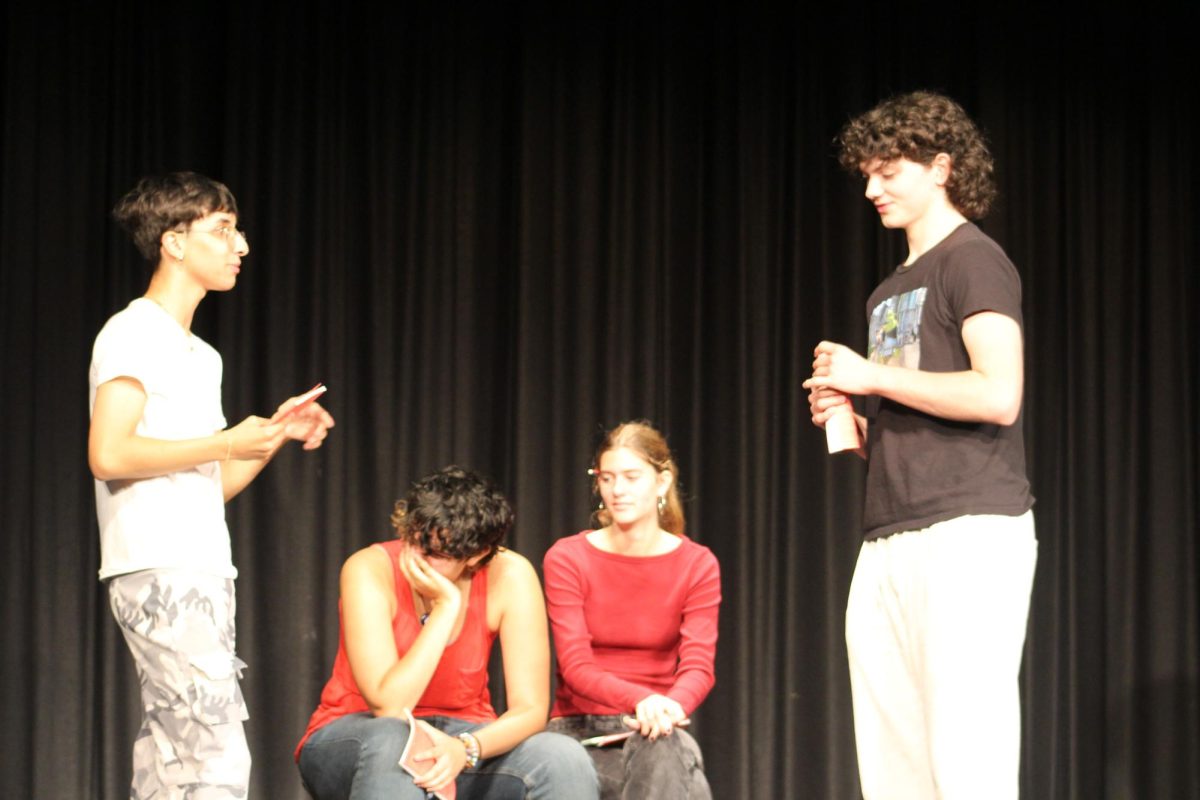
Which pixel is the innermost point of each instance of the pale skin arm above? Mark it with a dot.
(390, 683)
(525, 644)
(117, 452)
(989, 392)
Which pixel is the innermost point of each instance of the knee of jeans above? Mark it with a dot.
(561, 755)
(383, 739)
(559, 745)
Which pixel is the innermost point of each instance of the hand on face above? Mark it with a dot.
(427, 581)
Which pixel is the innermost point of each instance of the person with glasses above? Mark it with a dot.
(165, 464)
(419, 615)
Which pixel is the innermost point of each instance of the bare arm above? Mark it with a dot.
(117, 452)
(525, 644)
(388, 682)
(990, 391)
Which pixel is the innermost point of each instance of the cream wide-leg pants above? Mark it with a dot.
(935, 627)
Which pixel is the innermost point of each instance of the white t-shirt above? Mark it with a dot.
(175, 520)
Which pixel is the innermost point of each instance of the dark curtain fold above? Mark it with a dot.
(495, 232)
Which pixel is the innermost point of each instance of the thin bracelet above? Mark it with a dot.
(228, 444)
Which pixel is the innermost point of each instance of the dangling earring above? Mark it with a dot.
(592, 474)
(662, 504)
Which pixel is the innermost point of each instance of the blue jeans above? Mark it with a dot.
(357, 757)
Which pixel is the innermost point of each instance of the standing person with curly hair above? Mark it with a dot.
(633, 605)
(419, 615)
(165, 465)
(936, 618)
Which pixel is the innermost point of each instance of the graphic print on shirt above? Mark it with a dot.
(895, 331)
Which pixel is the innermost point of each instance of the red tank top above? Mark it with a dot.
(459, 686)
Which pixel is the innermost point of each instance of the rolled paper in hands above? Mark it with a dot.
(841, 430)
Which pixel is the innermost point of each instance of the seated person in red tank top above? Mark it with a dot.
(418, 616)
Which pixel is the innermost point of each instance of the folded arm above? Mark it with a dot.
(989, 392)
(117, 452)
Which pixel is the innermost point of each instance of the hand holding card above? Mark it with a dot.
(300, 402)
(419, 741)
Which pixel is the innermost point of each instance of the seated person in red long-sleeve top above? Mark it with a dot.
(633, 606)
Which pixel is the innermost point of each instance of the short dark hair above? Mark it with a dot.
(160, 203)
(918, 126)
(454, 512)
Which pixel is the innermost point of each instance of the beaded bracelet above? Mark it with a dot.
(471, 745)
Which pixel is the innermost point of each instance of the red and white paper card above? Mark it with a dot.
(419, 740)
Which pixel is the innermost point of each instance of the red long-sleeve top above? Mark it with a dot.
(626, 627)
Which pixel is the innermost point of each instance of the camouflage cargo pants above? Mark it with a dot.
(179, 628)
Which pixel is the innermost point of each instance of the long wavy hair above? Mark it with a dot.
(644, 439)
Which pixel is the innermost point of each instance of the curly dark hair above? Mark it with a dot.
(918, 126)
(160, 203)
(454, 513)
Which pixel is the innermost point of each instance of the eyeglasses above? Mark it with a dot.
(228, 232)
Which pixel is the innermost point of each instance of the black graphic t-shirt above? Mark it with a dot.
(923, 469)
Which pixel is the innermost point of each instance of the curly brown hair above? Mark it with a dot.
(918, 126)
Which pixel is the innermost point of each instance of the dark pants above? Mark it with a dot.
(668, 768)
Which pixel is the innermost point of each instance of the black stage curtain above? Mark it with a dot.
(493, 232)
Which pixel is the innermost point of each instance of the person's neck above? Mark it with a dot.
(927, 232)
(641, 539)
(176, 296)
